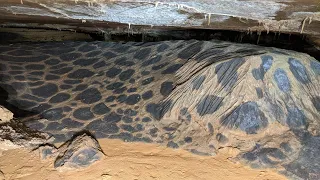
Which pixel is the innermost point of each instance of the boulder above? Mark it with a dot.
(79, 152)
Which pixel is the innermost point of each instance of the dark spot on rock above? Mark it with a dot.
(52, 62)
(147, 95)
(316, 102)
(122, 98)
(248, 117)
(286, 147)
(19, 78)
(194, 151)
(298, 70)
(130, 90)
(13, 68)
(83, 113)
(146, 119)
(127, 119)
(87, 47)
(69, 123)
(93, 53)
(65, 86)
(85, 62)
(89, 96)
(315, 66)
(32, 98)
(123, 62)
(197, 82)
(114, 85)
(103, 126)
(133, 99)
(162, 47)
(53, 114)
(62, 70)
(100, 109)
(80, 74)
(142, 53)
(144, 73)
(125, 75)
(110, 99)
(99, 65)
(172, 144)
(72, 81)
(41, 108)
(296, 119)
(188, 139)
(46, 90)
(191, 50)
(166, 88)
(34, 67)
(112, 118)
(256, 73)
(132, 81)
(119, 90)
(147, 81)
(221, 138)
(15, 72)
(18, 86)
(54, 126)
(80, 87)
(172, 69)
(211, 130)
(60, 97)
(266, 64)
(259, 92)
(160, 66)
(113, 72)
(120, 111)
(227, 72)
(130, 112)
(23, 104)
(282, 80)
(35, 125)
(128, 128)
(209, 104)
(153, 132)
(67, 109)
(109, 55)
(51, 77)
(69, 56)
(36, 73)
(151, 61)
(159, 110)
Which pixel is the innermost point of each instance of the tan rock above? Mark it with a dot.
(5, 115)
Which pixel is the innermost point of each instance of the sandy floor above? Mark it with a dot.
(132, 161)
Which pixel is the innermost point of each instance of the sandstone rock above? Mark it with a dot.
(80, 152)
(5, 115)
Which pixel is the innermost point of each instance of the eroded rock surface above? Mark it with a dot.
(79, 152)
(16, 135)
(197, 95)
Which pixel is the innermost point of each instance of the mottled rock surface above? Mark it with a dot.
(202, 96)
(79, 152)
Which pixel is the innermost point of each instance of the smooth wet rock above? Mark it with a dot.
(80, 152)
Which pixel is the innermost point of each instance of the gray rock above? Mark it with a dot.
(79, 152)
